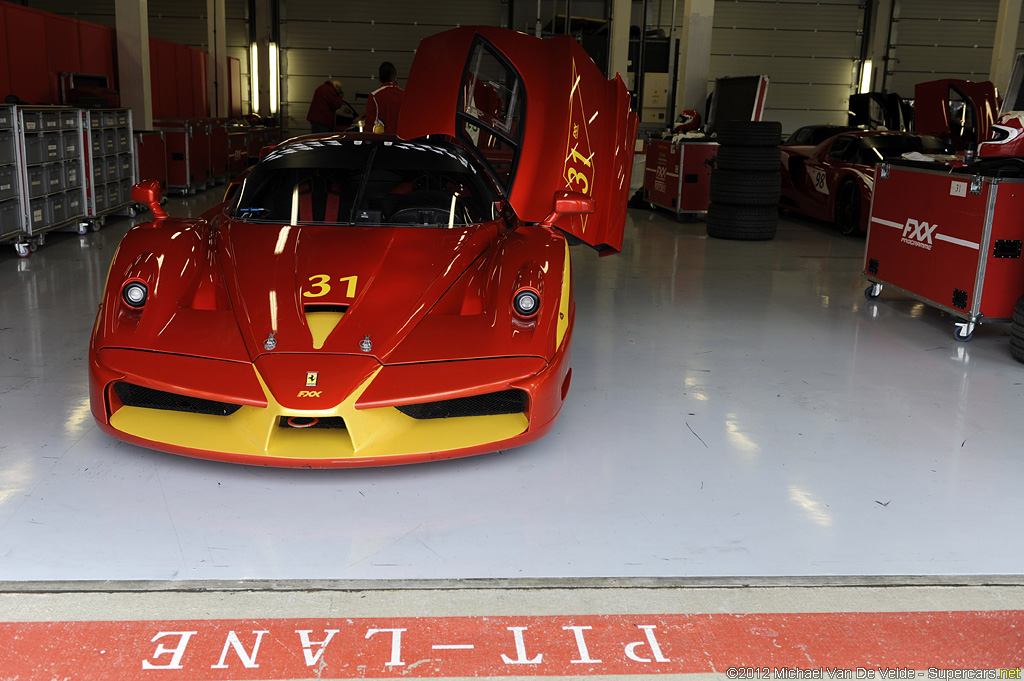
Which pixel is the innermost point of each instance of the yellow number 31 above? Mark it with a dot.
(319, 282)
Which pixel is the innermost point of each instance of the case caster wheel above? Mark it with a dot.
(96, 224)
(40, 240)
(83, 228)
(131, 211)
(963, 331)
(872, 292)
(33, 246)
(22, 250)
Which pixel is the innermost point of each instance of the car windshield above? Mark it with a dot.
(878, 147)
(367, 182)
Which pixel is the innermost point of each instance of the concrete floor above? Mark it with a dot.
(737, 409)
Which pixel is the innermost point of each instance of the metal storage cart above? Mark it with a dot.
(957, 248)
(10, 191)
(677, 176)
(52, 173)
(188, 154)
(110, 163)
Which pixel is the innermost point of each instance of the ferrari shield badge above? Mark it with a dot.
(311, 378)
(366, 344)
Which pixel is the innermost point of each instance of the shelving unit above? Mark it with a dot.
(10, 190)
(111, 164)
(51, 173)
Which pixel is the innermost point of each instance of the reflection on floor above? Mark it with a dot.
(737, 409)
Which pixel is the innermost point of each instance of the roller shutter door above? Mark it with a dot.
(349, 40)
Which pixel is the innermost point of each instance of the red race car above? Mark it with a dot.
(833, 180)
(369, 300)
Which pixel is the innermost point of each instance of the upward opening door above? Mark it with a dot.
(538, 113)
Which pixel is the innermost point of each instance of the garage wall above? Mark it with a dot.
(323, 39)
(808, 48)
(177, 21)
(941, 39)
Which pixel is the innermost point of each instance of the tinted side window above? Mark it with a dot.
(842, 147)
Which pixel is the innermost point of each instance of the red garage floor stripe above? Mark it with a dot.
(935, 645)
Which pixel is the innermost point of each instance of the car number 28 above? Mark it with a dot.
(321, 286)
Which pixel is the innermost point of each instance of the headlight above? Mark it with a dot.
(134, 293)
(526, 302)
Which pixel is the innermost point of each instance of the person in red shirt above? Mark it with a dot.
(386, 101)
(326, 100)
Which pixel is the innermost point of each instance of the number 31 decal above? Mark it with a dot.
(319, 282)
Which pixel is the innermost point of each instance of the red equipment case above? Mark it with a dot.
(151, 155)
(238, 149)
(188, 154)
(677, 176)
(220, 153)
(957, 248)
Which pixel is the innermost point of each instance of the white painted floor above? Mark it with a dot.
(737, 409)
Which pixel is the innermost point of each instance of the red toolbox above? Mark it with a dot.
(677, 176)
(257, 139)
(238, 150)
(220, 153)
(949, 239)
(151, 155)
(188, 154)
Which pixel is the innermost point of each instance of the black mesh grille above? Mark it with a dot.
(137, 396)
(307, 422)
(504, 402)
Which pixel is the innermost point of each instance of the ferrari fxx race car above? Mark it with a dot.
(369, 300)
(833, 180)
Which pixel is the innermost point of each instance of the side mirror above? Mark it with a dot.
(569, 203)
(266, 150)
(148, 192)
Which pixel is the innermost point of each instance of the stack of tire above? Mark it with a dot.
(746, 181)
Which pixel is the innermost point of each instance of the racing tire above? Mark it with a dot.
(745, 188)
(847, 210)
(1017, 331)
(742, 223)
(748, 158)
(750, 133)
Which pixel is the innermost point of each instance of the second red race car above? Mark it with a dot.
(833, 181)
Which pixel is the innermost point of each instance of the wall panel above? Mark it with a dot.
(26, 54)
(63, 51)
(808, 48)
(941, 39)
(322, 39)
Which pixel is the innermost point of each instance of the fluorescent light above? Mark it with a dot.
(254, 77)
(274, 76)
(865, 78)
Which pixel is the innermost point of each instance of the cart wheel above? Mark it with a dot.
(872, 292)
(95, 225)
(131, 211)
(963, 331)
(22, 250)
(83, 227)
(33, 246)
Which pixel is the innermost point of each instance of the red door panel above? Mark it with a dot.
(26, 54)
(96, 50)
(539, 112)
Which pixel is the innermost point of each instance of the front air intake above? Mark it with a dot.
(136, 396)
(490, 404)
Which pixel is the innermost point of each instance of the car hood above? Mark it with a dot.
(340, 289)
